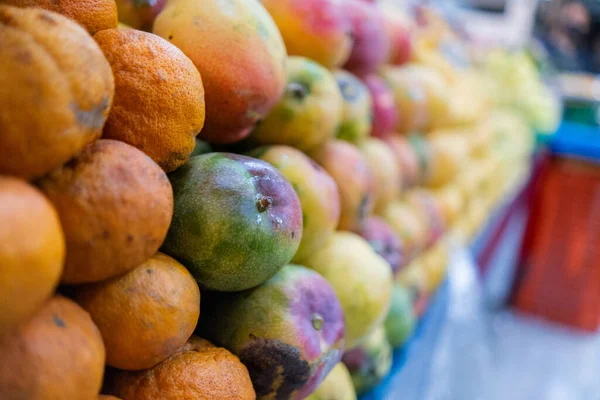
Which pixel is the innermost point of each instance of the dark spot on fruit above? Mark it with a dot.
(58, 321)
(350, 34)
(297, 90)
(315, 165)
(129, 238)
(252, 336)
(271, 363)
(47, 18)
(93, 118)
(364, 204)
(293, 235)
(105, 235)
(148, 271)
(170, 37)
(263, 203)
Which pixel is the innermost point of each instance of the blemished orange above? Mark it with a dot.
(93, 15)
(145, 315)
(56, 89)
(115, 205)
(159, 96)
(56, 355)
(32, 251)
(201, 372)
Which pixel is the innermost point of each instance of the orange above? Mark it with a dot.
(201, 373)
(159, 97)
(93, 15)
(115, 205)
(56, 88)
(145, 315)
(32, 251)
(56, 355)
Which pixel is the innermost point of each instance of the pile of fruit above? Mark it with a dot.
(232, 199)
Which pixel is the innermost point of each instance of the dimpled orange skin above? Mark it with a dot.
(56, 88)
(240, 54)
(115, 205)
(200, 372)
(56, 355)
(145, 315)
(159, 97)
(32, 251)
(93, 15)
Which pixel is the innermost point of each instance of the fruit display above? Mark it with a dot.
(237, 199)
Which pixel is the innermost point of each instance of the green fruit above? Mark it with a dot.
(316, 189)
(309, 112)
(236, 221)
(369, 363)
(337, 386)
(400, 321)
(357, 110)
(289, 332)
(362, 280)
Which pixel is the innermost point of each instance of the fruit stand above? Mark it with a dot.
(237, 200)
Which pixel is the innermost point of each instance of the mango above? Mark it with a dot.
(407, 159)
(310, 111)
(410, 224)
(316, 189)
(362, 281)
(241, 57)
(400, 322)
(369, 363)
(337, 386)
(357, 110)
(139, 14)
(385, 114)
(387, 176)
(410, 98)
(385, 242)
(371, 44)
(236, 221)
(316, 29)
(431, 210)
(348, 167)
(289, 332)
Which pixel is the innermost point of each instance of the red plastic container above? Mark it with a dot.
(560, 275)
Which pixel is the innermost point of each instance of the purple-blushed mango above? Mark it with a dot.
(407, 159)
(362, 281)
(240, 54)
(357, 110)
(387, 176)
(348, 167)
(236, 221)
(337, 386)
(139, 14)
(431, 210)
(385, 242)
(370, 362)
(399, 30)
(316, 29)
(371, 44)
(385, 114)
(316, 189)
(401, 320)
(408, 223)
(310, 111)
(289, 332)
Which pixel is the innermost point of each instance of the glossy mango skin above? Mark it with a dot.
(317, 29)
(240, 54)
(316, 189)
(289, 332)
(308, 114)
(236, 221)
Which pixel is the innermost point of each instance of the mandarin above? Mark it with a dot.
(32, 251)
(159, 97)
(145, 315)
(56, 355)
(56, 88)
(93, 15)
(199, 372)
(115, 205)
